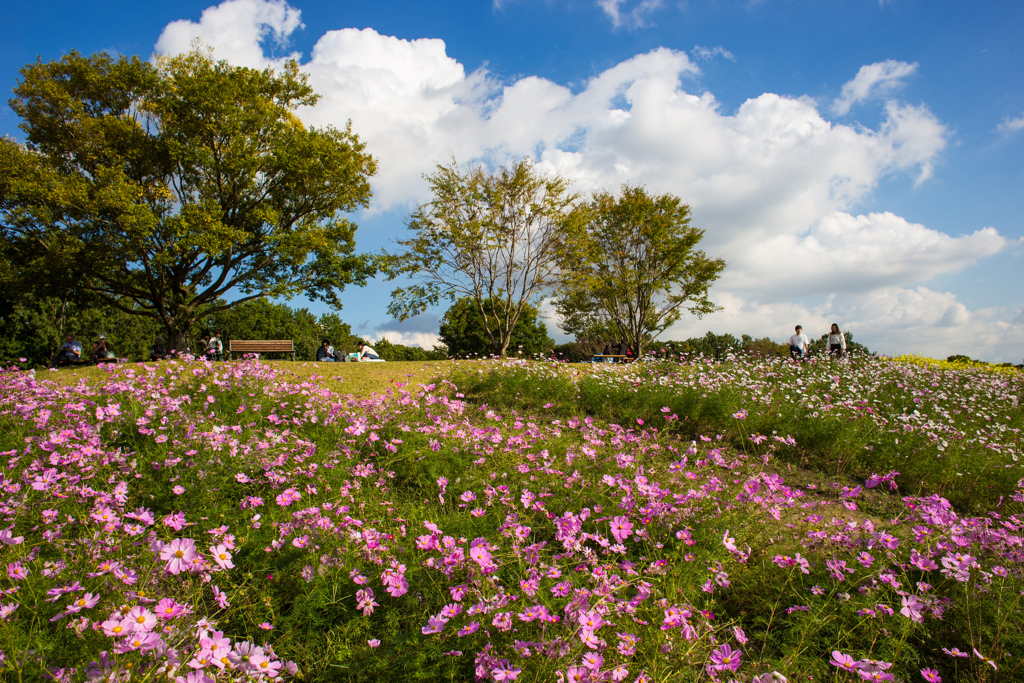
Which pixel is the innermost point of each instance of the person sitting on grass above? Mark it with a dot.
(69, 352)
(365, 352)
(323, 352)
(159, 350)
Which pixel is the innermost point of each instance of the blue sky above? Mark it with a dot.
(856, 162)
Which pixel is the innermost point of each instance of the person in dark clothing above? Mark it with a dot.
(323, 352)
(159, 350)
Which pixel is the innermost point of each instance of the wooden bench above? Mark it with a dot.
(242, 346)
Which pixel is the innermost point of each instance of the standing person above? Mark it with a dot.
(836, 342)
(798, 344)
(203, 347)
(216, 347)
(366, 352)
(607, 353)
(70, 351)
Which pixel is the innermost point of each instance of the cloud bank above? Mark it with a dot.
(775, 183)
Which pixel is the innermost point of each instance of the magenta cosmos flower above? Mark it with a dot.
(844, 662)
(725, 658)
(622, 528)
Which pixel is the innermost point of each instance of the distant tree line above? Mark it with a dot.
(716, 347)
(33, 327)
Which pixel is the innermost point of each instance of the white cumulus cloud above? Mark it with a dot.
(707, 53)
(1011, 125)
(873, 80)
(628, 13)
(240, 30)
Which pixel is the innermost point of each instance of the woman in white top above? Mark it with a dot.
(366, 352)
(836, 341)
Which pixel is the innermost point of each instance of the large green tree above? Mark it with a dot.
(462, 331)
(176, 189)
(635, 268)
(492, 237)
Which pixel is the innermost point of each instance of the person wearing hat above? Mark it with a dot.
(799, 343)
(101, 349)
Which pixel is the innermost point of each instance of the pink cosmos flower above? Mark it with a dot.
(985, 659)
(142, 619)
(434, 625)
(505, 673)
(844, 662)
(221, 598)
(373, 642)
(725, 658)
(242, 655)
(912, 608)
(138, 642)
(365, 601)
(622, 528)
(221, 556)
(7, 538)
(87, 601)
(931, 675)
(169, 609)
(117, 626)
(179, 555)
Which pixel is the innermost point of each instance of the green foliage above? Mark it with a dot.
(495, 237)
(33, 327)
(400, 352)
(577, 352)
(263, 319)
(463, 331)
(161, 187)
(634, 267)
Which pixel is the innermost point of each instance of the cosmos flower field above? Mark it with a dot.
(752, 521)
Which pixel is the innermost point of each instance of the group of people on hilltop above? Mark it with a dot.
(800, 343)
(326, 353)
(211, 346)
(71, 351)
(622, 352)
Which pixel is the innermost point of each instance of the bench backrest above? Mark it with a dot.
(262, 346)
